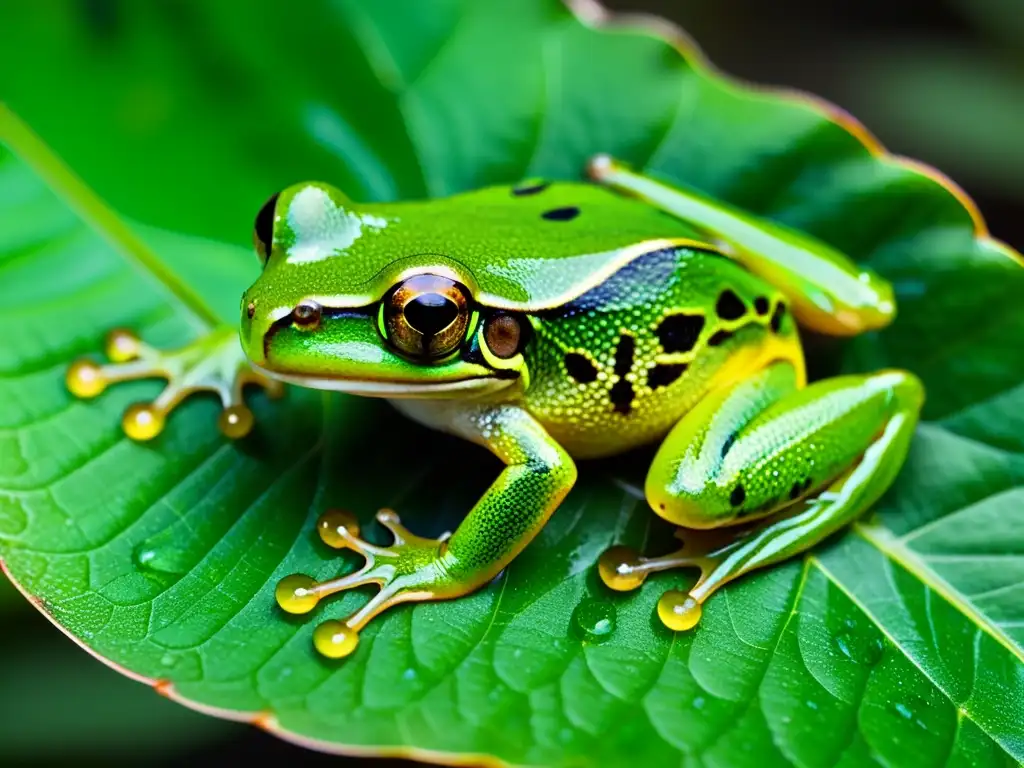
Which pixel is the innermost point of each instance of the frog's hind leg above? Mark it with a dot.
(813, 459)
(214, 363)
(829, 293)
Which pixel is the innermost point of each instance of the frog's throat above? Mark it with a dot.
(394, 389)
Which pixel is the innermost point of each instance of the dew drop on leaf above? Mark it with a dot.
(162, 560)
(860, 647)
(593, 621)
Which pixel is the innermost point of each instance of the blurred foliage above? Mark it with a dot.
(962, 101)
(59, 704)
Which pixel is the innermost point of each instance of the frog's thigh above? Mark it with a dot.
(820, 456)
(750, 450)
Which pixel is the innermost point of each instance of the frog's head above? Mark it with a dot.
(429, 298)
(351, 299)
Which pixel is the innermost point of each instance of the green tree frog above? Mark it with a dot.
(549, 322)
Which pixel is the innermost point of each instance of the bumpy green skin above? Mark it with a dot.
(635, 316)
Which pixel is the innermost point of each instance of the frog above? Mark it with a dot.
(552, 322)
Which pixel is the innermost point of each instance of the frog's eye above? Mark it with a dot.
(426, 316)
(263, 229)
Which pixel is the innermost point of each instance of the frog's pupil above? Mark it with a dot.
(431, 313)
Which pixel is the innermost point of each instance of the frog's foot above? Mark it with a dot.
(623, 569)
(213, 363)
(411, 569)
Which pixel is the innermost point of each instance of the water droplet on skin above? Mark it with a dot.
(811, 704)
(409, 674)
(593, 621)
(168, 660)
(903, 711)
(698, 702)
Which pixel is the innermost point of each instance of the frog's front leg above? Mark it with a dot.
(814, 459)
(538, 475)
(213, 363)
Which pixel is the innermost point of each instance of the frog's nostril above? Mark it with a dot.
(431, 313)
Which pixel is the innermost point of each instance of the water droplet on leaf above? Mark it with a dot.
(160, 560)
(861, 647)
(903, 711)
(594, 620)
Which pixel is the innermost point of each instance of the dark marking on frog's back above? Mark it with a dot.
(662, 375)
(777, 316)
(679, 332)
(719, 338)
(580, 368)
(622, 396)
(730, 306)
(561, 214)
(624, 354)
(761, 305)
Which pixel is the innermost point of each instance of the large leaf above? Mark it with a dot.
(899, 642)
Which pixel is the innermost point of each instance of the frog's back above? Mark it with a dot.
(619, 365)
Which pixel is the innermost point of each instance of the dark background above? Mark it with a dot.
(938, 80)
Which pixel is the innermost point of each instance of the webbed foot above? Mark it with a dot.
(411, 569)
(213, 363)
(624, 569)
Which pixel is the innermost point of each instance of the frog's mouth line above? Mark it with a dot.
(388, 388)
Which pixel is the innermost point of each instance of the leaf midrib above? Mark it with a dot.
(92, 210)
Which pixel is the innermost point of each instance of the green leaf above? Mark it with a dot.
(900, 642)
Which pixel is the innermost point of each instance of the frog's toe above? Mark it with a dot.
(408, 570)
(214, 363)
(623, 569)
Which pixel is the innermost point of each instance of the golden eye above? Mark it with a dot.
(426, 316)
(263, 229)
(504, 335)
(307, 315)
